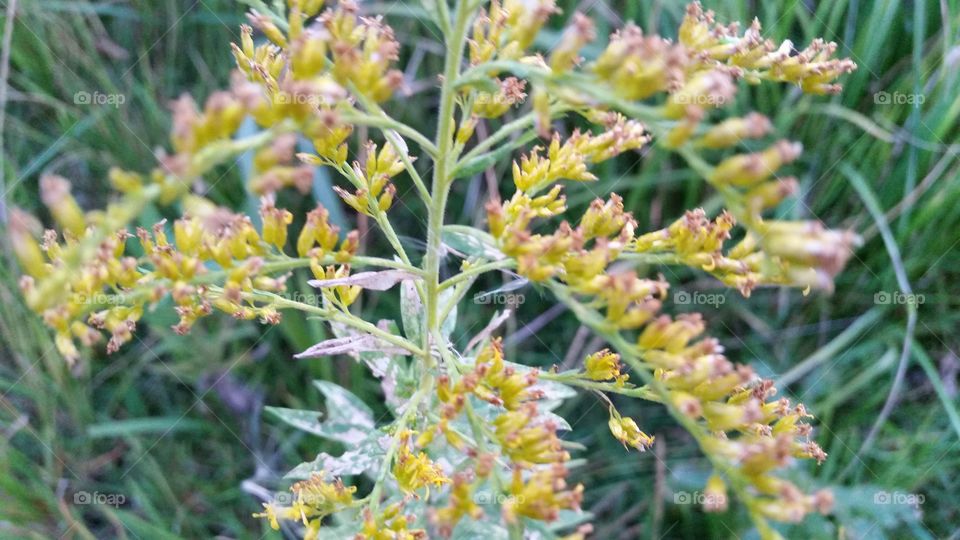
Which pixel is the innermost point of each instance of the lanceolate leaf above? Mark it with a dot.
(366, 457)
(374, 281)
(352, 345)
(448, 325)
(348, 421)
(308, 421)
(343, 406)
(471, 244)
(411, 312)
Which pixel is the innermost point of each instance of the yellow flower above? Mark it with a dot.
(603, 366)
(275, 222)
(626, 431)
(313, 499)
(390, 524)
(541, 496)
(416, 471)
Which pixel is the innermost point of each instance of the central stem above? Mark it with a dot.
(441, 172)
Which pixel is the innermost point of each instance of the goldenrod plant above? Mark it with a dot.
(473, 448)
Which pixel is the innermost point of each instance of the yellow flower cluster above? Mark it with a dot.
(192, 130)
(604, 366)
(416, 471)
(507, 29)
(274, 168)
(462, 504)
(302, 79)
(79, 296)
(528, 441)
(754, 58)
(493, 381)
(570, 160)
(701, 384)
(698, 68)
(313, 500)
(374, 193)
(320, 73)
(803, 254)
(345, 50)
(628, 432)
(542, 495)
(391, 524)
(578, 256)
(510, 92)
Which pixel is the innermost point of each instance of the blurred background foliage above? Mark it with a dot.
(175, 425)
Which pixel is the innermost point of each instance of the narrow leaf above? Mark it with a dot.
(374, 281)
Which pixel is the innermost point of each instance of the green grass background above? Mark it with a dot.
(190, 456)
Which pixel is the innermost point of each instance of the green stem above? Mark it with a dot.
(282, 265)
(576, 379)
(477, 270)
(382, 121)
(441, 175)
(391, 131)
(426, 385)
(342, 317)
(526, 121)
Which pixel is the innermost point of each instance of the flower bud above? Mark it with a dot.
(24, 245)
(55, 194)
(732, 131)
(747, 170)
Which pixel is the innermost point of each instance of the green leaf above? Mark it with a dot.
(136, 426)
(471, 529)
(303, 420)
(349, 420)
(344, 407)
(367, 456)
(448, 325)
(472, 243)
(411, 312)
